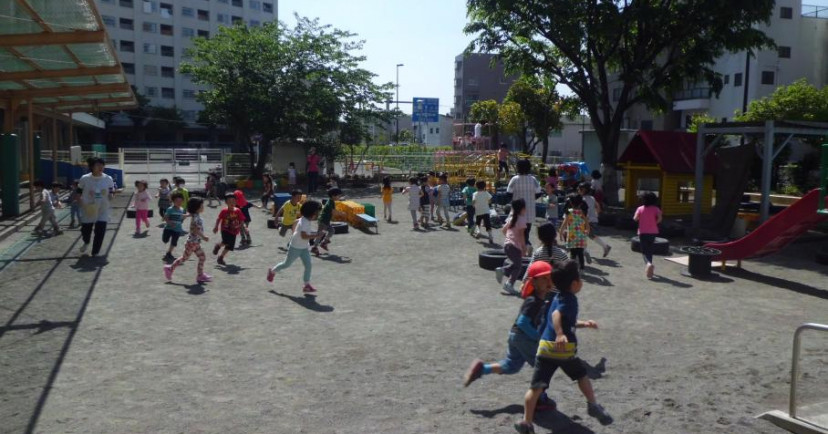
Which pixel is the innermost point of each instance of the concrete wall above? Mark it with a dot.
(283, 154)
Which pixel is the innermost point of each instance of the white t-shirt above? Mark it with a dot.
(592, 213)
(481, 201)
(597, 184)
(478, 130)
(291, 175)
(414, 197)
(95, 198)
(46, 201)
(296, 241)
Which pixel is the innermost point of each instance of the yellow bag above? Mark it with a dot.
(548, 349)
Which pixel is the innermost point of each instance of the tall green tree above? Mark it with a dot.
(616, 54)
(488, 113)
(285, 83)
(513, 121)
(542, 106)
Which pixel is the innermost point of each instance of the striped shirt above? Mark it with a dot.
(525, 187)
(558, 257)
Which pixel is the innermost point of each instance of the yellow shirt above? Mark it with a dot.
(290, 213)
(386, 194)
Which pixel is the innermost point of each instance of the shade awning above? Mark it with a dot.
(57, 56)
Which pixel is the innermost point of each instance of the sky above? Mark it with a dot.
(423, 35)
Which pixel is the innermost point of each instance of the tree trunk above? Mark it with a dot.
(264, 155)
(545, 148)
(609, 136)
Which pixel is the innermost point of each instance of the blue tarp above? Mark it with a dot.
(69, 172)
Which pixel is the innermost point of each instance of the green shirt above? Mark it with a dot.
(468, 193)
(327, 212)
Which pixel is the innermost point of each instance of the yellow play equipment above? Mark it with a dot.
(480, 165)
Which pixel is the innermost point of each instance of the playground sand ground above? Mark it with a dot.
(384, 345)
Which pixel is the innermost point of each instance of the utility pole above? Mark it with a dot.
(397, 117)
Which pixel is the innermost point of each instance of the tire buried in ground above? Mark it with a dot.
(339, 227)
(491, 259)
(661, 247)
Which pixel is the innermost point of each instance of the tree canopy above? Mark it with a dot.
(542, 107)
(799, 101)
(487, 112)
(286, 84)
(616, 54)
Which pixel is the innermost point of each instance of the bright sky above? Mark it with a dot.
(424, 35)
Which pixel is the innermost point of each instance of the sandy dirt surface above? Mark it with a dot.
(103, 346)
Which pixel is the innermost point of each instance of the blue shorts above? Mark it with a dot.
(521, 350)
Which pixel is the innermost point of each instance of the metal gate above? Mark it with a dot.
(153, 164)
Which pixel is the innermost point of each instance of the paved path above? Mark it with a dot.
(102, 346)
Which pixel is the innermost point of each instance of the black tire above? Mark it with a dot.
(822, 257)
(606, 219)
(671, 231)
(339, 227)
(491, 259)
(130, 213)
(625, 223)
(662, 246)
(271, 223)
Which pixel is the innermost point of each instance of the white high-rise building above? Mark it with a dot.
(151, 37)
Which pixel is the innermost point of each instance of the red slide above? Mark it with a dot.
(776, 233)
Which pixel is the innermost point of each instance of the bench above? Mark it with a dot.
(367, 221)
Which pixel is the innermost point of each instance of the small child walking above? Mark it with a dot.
(174, 217)
(425, 202)
(300, 244)
(324, 230)
(514, 246)
(49, 201)
(648, 217)
(481, 200)
(387, 194)
(468, 194)
(141, 203)
(267, 185)
(291, 176)
(575, 229)
(593, 210)
(75, 203)
(443, 200)
(194, 207)
(413, 192)
(231, 221)
(558, 348)
(163, 195)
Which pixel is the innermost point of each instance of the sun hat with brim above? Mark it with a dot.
(536, 269)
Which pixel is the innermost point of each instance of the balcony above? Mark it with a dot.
(697, 98)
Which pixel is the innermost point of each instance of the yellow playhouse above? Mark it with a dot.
(664, 162)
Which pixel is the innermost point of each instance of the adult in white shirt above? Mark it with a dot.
(98, 189)
(525, 186)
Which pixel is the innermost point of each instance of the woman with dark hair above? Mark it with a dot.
(98, 189)
(525, 186)
(313, 170)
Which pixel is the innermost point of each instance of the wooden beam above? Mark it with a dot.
(30, 139)
(59, 73)
(54, 151)
(53, 38)
(67, 90)
(35, 16)
(89, 103)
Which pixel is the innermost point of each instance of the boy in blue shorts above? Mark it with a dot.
(173, 218)
(523, 338)
(558, 347)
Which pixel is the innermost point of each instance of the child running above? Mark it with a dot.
(194, 207)
(425, 201)
(244, 206)
(49, 201)
(525, 333)
(75, 203)
(648, 217)
(173, 229)
(514, 246)
(179, 187)
(413, 192)
(575, 229)
(289, 212)
(387, 194)
(267, 184)
(593, 210)
(468, 194)
(163, 195)
(481, 200)
(141, 203)
(299, 244)
(443, 200)
(558, 348)
(324, 230)
(231, 221)
(549, 251)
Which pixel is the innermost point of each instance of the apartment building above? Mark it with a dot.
(476, 78)
(151, 37)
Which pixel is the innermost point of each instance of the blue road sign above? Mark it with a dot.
(426, 110)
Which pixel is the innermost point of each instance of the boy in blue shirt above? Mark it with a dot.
(523, 338)
(174, 218)
(558, 347)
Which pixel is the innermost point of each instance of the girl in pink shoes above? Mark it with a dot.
(648, 217)
(299, 244)
(142, 205)
(194, 207)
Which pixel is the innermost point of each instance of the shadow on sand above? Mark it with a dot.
(554, 421)
(308, 301)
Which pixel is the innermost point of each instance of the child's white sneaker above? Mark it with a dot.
(499, 275)
(509, 288)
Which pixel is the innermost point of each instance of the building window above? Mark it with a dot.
(150, 27)
(267, 7)
(126, 23)
(127, 46)
(166, 29)
(647, 125)
(256, 5)
(472, 82)
(151, 92)
(616, 94)
(188, 94)
(727, 79)
(784, 52)
(237, 20)
(167, 51)
(168, 71)
(189, 115)
(129, 68)
(108, 20)
(150, 70)
(203, 15)
(187, 32)
(126, 3)
(166, 10)
(768, 77)
(737, 79)
(150, 7)
(187, 12)
(168, 92)
(224, 1)
(150, 48)
(683, 192)
(786, 13)
(203, 34)
(255, 23)
(223, 18)
(238, 3)
(437, 131)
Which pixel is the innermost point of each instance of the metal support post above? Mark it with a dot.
(697, 196)
(767, 165)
